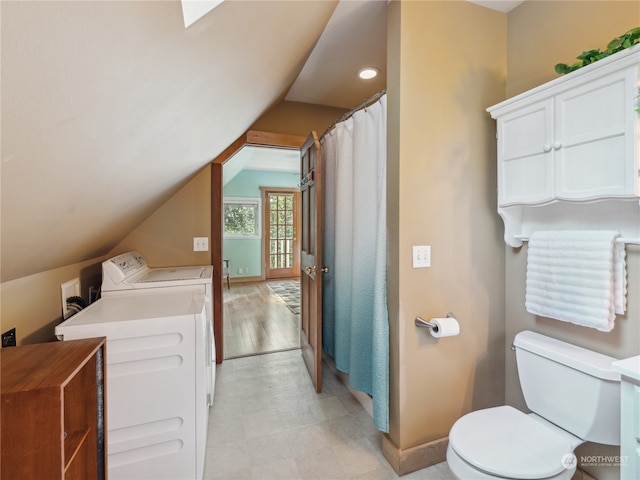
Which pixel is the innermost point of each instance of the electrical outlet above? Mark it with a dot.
(69, 289)
(9, 338)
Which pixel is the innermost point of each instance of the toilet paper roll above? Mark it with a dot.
(445, 327)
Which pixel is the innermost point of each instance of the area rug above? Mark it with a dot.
(289, 293)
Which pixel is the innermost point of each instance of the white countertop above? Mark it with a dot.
(629, 367)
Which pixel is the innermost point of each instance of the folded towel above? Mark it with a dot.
(620, 278)
(577, 277)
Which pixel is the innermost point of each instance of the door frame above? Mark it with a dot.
(249, 138)
(266, 251)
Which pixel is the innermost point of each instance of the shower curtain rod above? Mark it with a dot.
(368, 102)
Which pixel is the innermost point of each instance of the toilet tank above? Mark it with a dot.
(570, 386)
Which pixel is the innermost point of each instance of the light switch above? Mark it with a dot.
(200, 244)
(421, 256)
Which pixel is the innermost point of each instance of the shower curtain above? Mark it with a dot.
(355, 318)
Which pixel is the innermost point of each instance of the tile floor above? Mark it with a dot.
(268, 423)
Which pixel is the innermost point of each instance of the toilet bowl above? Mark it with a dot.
(515, 446)
(574, 397)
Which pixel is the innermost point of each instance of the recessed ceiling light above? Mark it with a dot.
(368, 73)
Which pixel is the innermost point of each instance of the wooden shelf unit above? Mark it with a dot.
(53, 410)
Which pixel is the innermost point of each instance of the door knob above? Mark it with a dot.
(315, 269)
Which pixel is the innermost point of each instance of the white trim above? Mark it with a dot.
(256, 202)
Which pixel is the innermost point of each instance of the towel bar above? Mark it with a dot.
(635, 241)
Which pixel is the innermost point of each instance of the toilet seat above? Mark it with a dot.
(507, 443)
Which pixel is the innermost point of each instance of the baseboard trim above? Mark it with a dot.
(414, 458)
(430, 453)
(245, 279)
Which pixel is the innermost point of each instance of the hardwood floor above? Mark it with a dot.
(257, 321)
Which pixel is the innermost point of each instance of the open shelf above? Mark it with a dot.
(53, 410)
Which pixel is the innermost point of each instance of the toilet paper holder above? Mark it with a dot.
(421, 322)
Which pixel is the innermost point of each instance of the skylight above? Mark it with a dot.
(193, 10)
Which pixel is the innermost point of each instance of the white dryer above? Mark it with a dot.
(157, 411)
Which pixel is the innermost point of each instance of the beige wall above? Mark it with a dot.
(166, 237)
(540, 35)
(33, 304)
(297, 118)
(393, 219)
(450, 66)
(544, 33)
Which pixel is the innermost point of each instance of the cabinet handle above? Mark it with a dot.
(547, 148)
(557, 146)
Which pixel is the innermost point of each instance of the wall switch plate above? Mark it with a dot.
(9, 338)
(200, 244)
(421, 256)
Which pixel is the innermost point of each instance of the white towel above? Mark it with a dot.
(577, 277)
(620, 278)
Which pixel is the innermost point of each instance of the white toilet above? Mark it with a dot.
(574, 396)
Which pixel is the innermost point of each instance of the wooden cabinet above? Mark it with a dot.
(53, 410)
(575, 138)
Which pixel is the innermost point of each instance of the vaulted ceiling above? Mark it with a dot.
(109, 107)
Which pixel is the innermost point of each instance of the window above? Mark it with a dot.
(242, 218)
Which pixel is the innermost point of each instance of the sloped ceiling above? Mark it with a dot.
(355, 37)
(109, 107)
(262, 159)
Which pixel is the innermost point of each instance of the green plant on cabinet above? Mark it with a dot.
(627, 40)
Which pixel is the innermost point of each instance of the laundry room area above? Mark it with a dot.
(117, 121)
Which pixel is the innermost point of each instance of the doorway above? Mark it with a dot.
(281, 226)
(250, 138)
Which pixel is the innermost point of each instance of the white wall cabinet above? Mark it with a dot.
(596, 139)
(574, 139)
(525, 155)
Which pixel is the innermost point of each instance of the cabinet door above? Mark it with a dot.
(595, 139)
(525, 155)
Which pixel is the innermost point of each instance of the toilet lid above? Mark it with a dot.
(505, 442)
